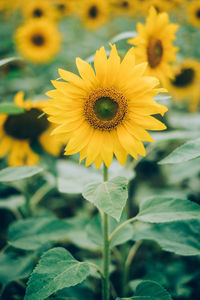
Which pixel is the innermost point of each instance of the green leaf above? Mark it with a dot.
(110, 196)
(72, 177)
(188, 151)
(9, 108)
(7, 60)
(95, 231)
(12, 202)
(187, 121)
(181, 237)
(32, 233)
(160, 209)
(149, 290)
(16, 173)
(57, 269)
(15, 268)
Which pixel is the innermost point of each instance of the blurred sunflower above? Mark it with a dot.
(194, 13)
(37, 9)
(159, 5)
(105, 112)
(186, 83)
(38, 40)
(154, 44)
(18, 132)
(125, 7)
(64, 7)
(94, 13)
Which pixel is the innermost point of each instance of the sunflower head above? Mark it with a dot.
(36, 9)
(194, 13)
(186, 82)
(38, 40)
(154, 44)
(18, 132)
(106, 111)
(123, 7)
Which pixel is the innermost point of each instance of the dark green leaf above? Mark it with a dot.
(56, 270)
(109, 196)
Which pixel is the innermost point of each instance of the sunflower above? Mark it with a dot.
(159, 5)
(38, 40)
(19, 132)
(94, 13)
(186, 83)
(125, 7)
(194, 13)
(106, 111)
(64, 7)
(37, 9)
(154, 44)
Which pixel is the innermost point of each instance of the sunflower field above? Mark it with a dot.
(99, 149)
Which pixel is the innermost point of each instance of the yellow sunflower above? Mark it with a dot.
(37, 9)
(194, 13)
(159, 5)
(154, 44)
(106, 111)
(124, 7)
(18, 132)
(186, 83)
(64, 7)
(94, 13)
(38, 40)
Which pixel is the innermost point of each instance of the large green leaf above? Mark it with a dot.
(9, 108)
(56, 270)
(149, 290)
(160, 209)
(181, 237)
(95, 231)
(110, 196)
(32, 233)
(188, 151)
(16, 173)
(15, 267)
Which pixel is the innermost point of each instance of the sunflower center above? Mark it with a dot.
(37, 13)
(184, 78)
(154, 52)
(105, 108)
(26, 125)
(38, 39)
(93, 12)
(198, 13)
(61, 7)
(125, 4)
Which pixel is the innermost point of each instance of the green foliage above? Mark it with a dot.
(109, 196)
(32, 233)
(160, 209)
(8, 108)
(149, 290)
(180, 237)
(56, 270)
(15, 173)
(7, 60)
(188, 151)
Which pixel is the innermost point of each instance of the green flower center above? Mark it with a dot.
(27, 125)
(105, 108)
(184, 78)
(37, 13)
(38, 40)
(93, 12)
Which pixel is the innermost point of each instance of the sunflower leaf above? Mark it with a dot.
(109, 196)
(16, 173)
(160, 209)
(149, 290)
(188, 151)
(56, 270)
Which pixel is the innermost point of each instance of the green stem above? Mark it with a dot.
(120, 227)
(106, 248)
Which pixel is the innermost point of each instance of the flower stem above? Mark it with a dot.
(106, 248)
